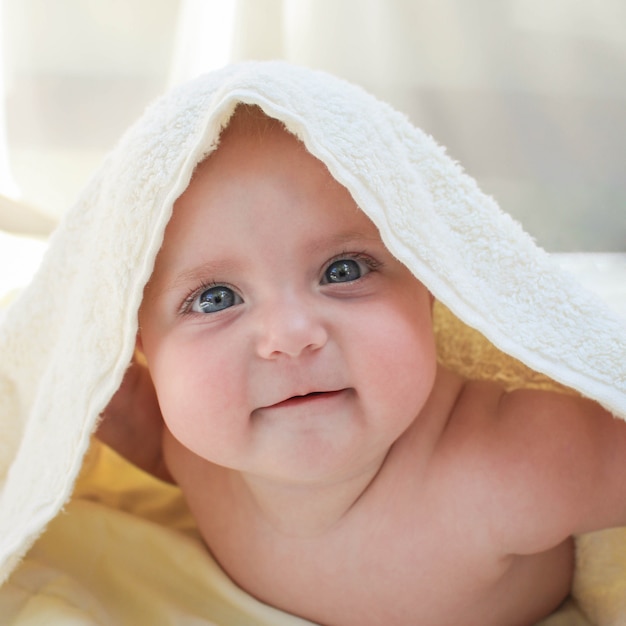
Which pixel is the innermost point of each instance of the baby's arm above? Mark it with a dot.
(132, 423)
(558, 464)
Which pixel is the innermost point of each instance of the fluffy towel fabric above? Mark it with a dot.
(66, 341)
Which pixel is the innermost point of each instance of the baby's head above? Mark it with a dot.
(283, 338)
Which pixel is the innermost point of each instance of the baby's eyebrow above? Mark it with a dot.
(200, 273)
(347, 239)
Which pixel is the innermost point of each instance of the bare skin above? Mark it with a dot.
(430, 499)
(426, 537)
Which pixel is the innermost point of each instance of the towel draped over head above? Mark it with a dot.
(67, 340)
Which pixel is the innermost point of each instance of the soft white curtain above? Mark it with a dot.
(529, 95)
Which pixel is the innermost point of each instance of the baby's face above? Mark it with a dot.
(282, 337)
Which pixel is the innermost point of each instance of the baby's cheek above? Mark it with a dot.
(400, 358)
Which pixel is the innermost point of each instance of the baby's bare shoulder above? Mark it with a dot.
(548, 465)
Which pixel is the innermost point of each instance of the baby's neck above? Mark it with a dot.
(303, 510)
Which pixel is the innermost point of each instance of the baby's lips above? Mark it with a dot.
(303, 397)
(292, 398)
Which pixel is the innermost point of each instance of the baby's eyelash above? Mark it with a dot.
(185, 307)
(371, 262)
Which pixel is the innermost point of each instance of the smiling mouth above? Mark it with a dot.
(307, 398)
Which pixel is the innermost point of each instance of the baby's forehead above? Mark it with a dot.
(250, 130)
(254, 146)
(243, 193)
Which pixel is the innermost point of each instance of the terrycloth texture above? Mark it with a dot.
(66, 341)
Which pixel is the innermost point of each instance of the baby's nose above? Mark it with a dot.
(289, 329)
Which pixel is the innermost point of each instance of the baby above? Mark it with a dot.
(334, 469)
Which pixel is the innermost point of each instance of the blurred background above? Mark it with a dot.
(528, 95)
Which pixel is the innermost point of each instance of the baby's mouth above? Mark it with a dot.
(314, 396)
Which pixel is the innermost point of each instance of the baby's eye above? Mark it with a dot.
(344, 271)
(214, 299)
